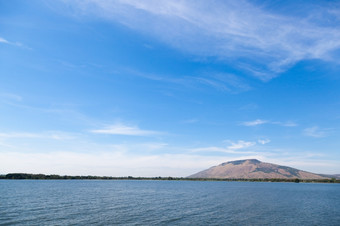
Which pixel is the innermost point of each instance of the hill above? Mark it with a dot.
(254, 169)
(336, 176)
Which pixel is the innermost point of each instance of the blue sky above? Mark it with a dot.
(168, 88)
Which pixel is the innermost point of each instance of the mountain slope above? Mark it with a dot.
(253, 168)
(336, 176)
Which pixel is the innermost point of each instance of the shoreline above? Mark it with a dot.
(25, 176)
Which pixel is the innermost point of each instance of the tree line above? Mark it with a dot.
(27, 176)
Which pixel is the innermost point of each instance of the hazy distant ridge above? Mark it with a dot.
(253, 168)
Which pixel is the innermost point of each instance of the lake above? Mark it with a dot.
(129, 202)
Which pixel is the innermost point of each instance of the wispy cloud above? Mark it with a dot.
(223, 82)
(263, 141)
(261, 122)
(121, 129)
(226, 150)
(288, 124)
(5, 41)
(220, 81)
(241, 144)
(2, 40)
(267, 42)
(255, 122)
(316, 132)
(238, 147)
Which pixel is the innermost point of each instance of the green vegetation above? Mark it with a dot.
(25, 176)
(293, 172)
(266, 170)
(290, 170)
(238, 162)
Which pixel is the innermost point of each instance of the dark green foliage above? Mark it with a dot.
(254, 161)
(238, 162)
(265, 170)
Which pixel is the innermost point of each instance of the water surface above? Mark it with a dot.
(97, 202)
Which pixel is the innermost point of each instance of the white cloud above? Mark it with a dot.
(265, 141)
(286, 124)
(121, 129)
(233, 148)
(223, 82)
(272, 42)
(225, 150)
(255, 122)
(241, 144)
(261, 122)
(2, 40)
(315, 131)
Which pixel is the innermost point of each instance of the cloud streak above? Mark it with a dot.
(265, 42)
(121, 129)
(238, 147)
(255, 122)
(315, 131)
(224, 82)
(258, 122)
(5, 41)
(263, 142)
(241, 144)
(2, 40)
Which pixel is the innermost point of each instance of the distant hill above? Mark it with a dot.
(254, 169)
(336, 176)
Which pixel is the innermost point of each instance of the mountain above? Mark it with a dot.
(253, 168)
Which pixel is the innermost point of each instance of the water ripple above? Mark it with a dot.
(69, 202)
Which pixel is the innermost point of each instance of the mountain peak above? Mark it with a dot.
(253, 168)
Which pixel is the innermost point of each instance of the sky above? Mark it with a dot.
(168, 88)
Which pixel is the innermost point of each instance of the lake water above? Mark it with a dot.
(95, 202)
